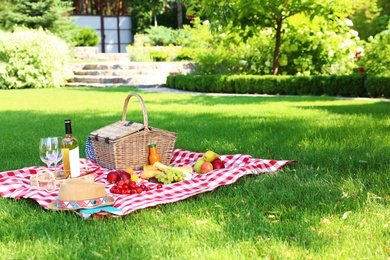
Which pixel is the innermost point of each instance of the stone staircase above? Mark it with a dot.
(123, 73)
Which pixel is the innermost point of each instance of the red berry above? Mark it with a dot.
(133, 191)
(143, 187)
(159, 186)
(139, 190)
(148, 188)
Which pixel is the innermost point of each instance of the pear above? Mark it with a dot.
(210, 156)
(198, 164)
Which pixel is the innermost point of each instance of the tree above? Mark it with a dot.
(250, 15)
(370, 17)
(179, 14)
(149, 8)
(49, 15)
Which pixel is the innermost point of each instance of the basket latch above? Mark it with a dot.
(106, 139)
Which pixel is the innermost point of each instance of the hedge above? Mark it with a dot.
(340, 85)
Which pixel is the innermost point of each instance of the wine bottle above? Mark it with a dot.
(70, 152)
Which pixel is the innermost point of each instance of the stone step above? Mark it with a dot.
(167, 66)
(106, 74)
(120, 80)
(108, 85)
(118, 72)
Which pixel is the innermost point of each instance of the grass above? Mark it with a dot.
(333, 204)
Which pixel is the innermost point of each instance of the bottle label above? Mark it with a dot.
(65, 162)
(74, 161)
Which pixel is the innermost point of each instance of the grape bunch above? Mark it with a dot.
(169, 176)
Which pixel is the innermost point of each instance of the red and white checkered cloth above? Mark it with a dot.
(16, 183)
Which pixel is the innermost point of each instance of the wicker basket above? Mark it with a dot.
(124, 144)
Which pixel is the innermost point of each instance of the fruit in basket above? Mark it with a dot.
(198, 164)
(206, 167)
(218, 164)
(210, 156)
(112, 177)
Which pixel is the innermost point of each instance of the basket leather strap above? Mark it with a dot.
(145, 113)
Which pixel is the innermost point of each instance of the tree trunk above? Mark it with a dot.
(179, 15)
(277, 45)
(154, 17)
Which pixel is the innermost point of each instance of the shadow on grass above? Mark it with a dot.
(256, 208)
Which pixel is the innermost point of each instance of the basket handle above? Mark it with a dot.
(145, 113)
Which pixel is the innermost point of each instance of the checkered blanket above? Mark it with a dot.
(16, 183)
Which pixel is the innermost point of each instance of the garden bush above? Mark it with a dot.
(376, 56)
(378, 86)
(160, 35)
(354, 85)
(86, 36)
(32, 58)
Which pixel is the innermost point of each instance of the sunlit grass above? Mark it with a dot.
(333, 204)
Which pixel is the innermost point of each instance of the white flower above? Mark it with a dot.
(268, 64)
(348, 22)
(355, 33)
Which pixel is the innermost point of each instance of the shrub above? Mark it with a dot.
(334, 85)
(157, 55)
(187, 54)
(378, 86)
(376, 57)
(32, 59)
(86, 36)
(160, 35)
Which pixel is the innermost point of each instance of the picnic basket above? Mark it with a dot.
(124, 144)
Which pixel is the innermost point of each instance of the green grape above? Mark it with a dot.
(169, 176)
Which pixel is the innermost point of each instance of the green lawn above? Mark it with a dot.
(333, 204)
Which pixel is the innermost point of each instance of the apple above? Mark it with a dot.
(112, 177)
(198, 164)
(124, 176)
(210, 156)
(218, 164)
(206, 167)
(216, 160)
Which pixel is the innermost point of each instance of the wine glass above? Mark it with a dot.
(47, 151)
(57, 155)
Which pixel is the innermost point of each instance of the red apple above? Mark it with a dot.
(218, 164)
(112, 177)
(206, 167)
(124, 176)
(216, 160)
